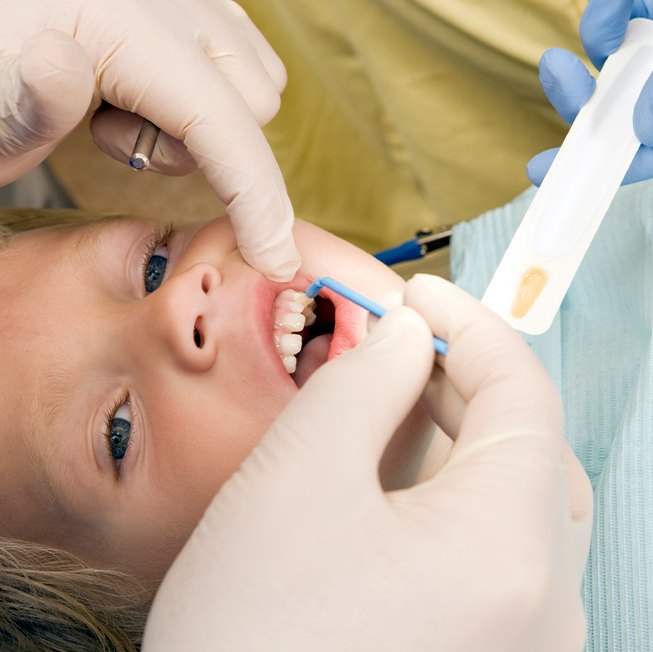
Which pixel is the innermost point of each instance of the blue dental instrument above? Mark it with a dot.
(424, 242)
(376, 309)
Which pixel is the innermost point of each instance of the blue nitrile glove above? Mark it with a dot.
(568, 84)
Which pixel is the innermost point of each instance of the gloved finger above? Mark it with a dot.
(436, 457)
(508, 458)
(440, 400)
(539, 165)
(581, 504)
(443, 403)
(239, 63)
(404, 455)
(115, 131)
(349, 408)
(566, 82)
(222, 137)
(493, 370)
(602, 28)
(642, 166)
(405, 452)
(14, 167)
(242, 55)
(269, 58)
(51, 86)
(642, 9)
(643, 115)
(44, 93)
(389, 300)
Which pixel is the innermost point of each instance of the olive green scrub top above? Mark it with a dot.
(402, 114)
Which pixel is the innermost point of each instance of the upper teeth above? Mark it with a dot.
(293, 311)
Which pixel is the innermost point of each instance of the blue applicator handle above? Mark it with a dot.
(374, 308)
(409, 250)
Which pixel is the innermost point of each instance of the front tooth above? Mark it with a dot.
(289, 344)
(291, 321)
(290, 363)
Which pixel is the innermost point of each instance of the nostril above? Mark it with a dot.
(206, 283)
(197, 335)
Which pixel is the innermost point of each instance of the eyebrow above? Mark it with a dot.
(90, 239)
(52, 390)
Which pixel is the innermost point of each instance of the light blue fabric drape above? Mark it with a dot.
(599, 352)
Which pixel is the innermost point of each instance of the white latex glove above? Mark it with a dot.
(301, 549)
(198, 69)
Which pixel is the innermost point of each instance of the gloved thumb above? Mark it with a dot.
(566, 82)
(539, 165)
(45, 91)
(351, 406)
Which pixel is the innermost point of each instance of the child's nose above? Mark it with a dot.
(182, 313)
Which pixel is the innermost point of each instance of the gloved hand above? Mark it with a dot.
(302, 550)
(568, 84)
(199, 69)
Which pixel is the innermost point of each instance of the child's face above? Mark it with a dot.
(187, 376)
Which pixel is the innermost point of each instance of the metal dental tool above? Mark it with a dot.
(376, 309)
(144, 146)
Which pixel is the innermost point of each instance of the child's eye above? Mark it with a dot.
(119, 431)
(155, 269)
(155, 259)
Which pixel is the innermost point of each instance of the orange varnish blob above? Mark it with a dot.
(532, 284)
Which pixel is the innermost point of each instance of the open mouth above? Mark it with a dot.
(303, 330)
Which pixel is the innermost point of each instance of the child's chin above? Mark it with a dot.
(314, 354)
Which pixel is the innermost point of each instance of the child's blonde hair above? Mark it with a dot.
(49, 599)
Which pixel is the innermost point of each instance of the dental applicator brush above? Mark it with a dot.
(376, 309)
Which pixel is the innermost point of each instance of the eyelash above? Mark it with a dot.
(161, 235)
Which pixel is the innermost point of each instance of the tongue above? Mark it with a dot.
(313, 355)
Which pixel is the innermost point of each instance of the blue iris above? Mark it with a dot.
(119, 437)
(155, 270)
